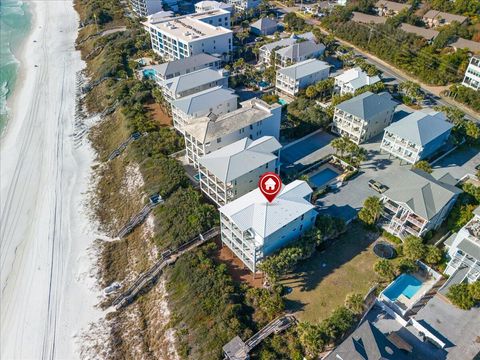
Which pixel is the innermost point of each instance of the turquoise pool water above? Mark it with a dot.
(405, 284)
(263, 84)
(149, 73)
(323, 177)
(282, 102)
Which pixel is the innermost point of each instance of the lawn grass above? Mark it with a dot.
(322, 282)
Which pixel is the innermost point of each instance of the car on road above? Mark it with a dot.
(375, 185)
(112, 288)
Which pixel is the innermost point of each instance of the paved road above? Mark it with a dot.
(386, 68)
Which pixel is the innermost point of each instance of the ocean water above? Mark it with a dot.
(15, 21)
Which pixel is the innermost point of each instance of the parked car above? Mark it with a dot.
(375, 185)
(112, 288)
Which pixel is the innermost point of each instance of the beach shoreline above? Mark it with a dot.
(49, 291)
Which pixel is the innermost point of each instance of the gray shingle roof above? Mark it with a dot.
(181, 65)
(365, 106)
(461, 43)
(428, 34)
(391, 5)
(303, 48)
(367, 343)
(205, 99)
(253, 211)
(287, 41)
(191, 80)
(421, 127)
(367, 19)
(241, 157)
(435, 14)
(304, 68)
(421, 192)
(264, 23)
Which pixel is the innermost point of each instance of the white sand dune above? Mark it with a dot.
(46, 294)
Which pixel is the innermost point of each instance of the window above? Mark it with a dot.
(219, 140)
(303, 216)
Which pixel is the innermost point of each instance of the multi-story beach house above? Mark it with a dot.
(464, 251)
(216, 101)
(183, 36)
(291, 79)
(390, 8)
(264, 26)
(417, 136)
(472, 74)
(294, 49)
(208, 5)
(171, 69)
(146, 7)
(235, 169)
(191, 83)
(417, 202)
(353, 80)
(253, 228)
(242, 5)
(254, 119)
(364, 116)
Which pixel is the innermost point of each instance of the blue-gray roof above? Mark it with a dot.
(182, 65)
(303, 48)
(205, 99)
(193, 79)
(421, 127)
(264, 24)
(365, 106)
(304, 68)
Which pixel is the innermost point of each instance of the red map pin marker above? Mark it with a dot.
(270, 185)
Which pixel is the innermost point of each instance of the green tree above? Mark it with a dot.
(384, 269)
(354, 303)
(460, 296)
(433, 255)
(407, 266)
(311, 92)
(371, 210)
(474, 289)
(312, 339)
(413, 248)
(423, 165)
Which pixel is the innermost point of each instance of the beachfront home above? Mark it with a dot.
(242, 5)
(253, 228)
(208, 5)
(417, 202)
(390, 8)
(417, 136)
(427, 34)
(464, 251)
(254, 119)
(472, 74)
(363, 116)
(353, 80)
(235, 169)
(439, 18)
(184, 66)
(183, 36)
(263, 26)
(291, 79)
(146, 7)
(216, 101)
(290, 50)
(362, 18)
(191, 83)
(469, 45)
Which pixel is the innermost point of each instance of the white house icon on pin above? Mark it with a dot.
(270, 184)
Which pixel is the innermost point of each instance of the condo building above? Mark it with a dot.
(364, 116)
(145, 8)
(183, 36)
(417, 202)
(472, 74)
(235, 169)
(215, 101)
(417, 136)
(254, 119)
(242, 5)
(291, 79)
(252, 228)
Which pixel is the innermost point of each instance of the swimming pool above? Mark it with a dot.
(282, 102)
(405, 284)
(148, 73)
(263, 84)
(323, 177)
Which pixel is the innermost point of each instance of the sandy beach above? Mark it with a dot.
(48, 292)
